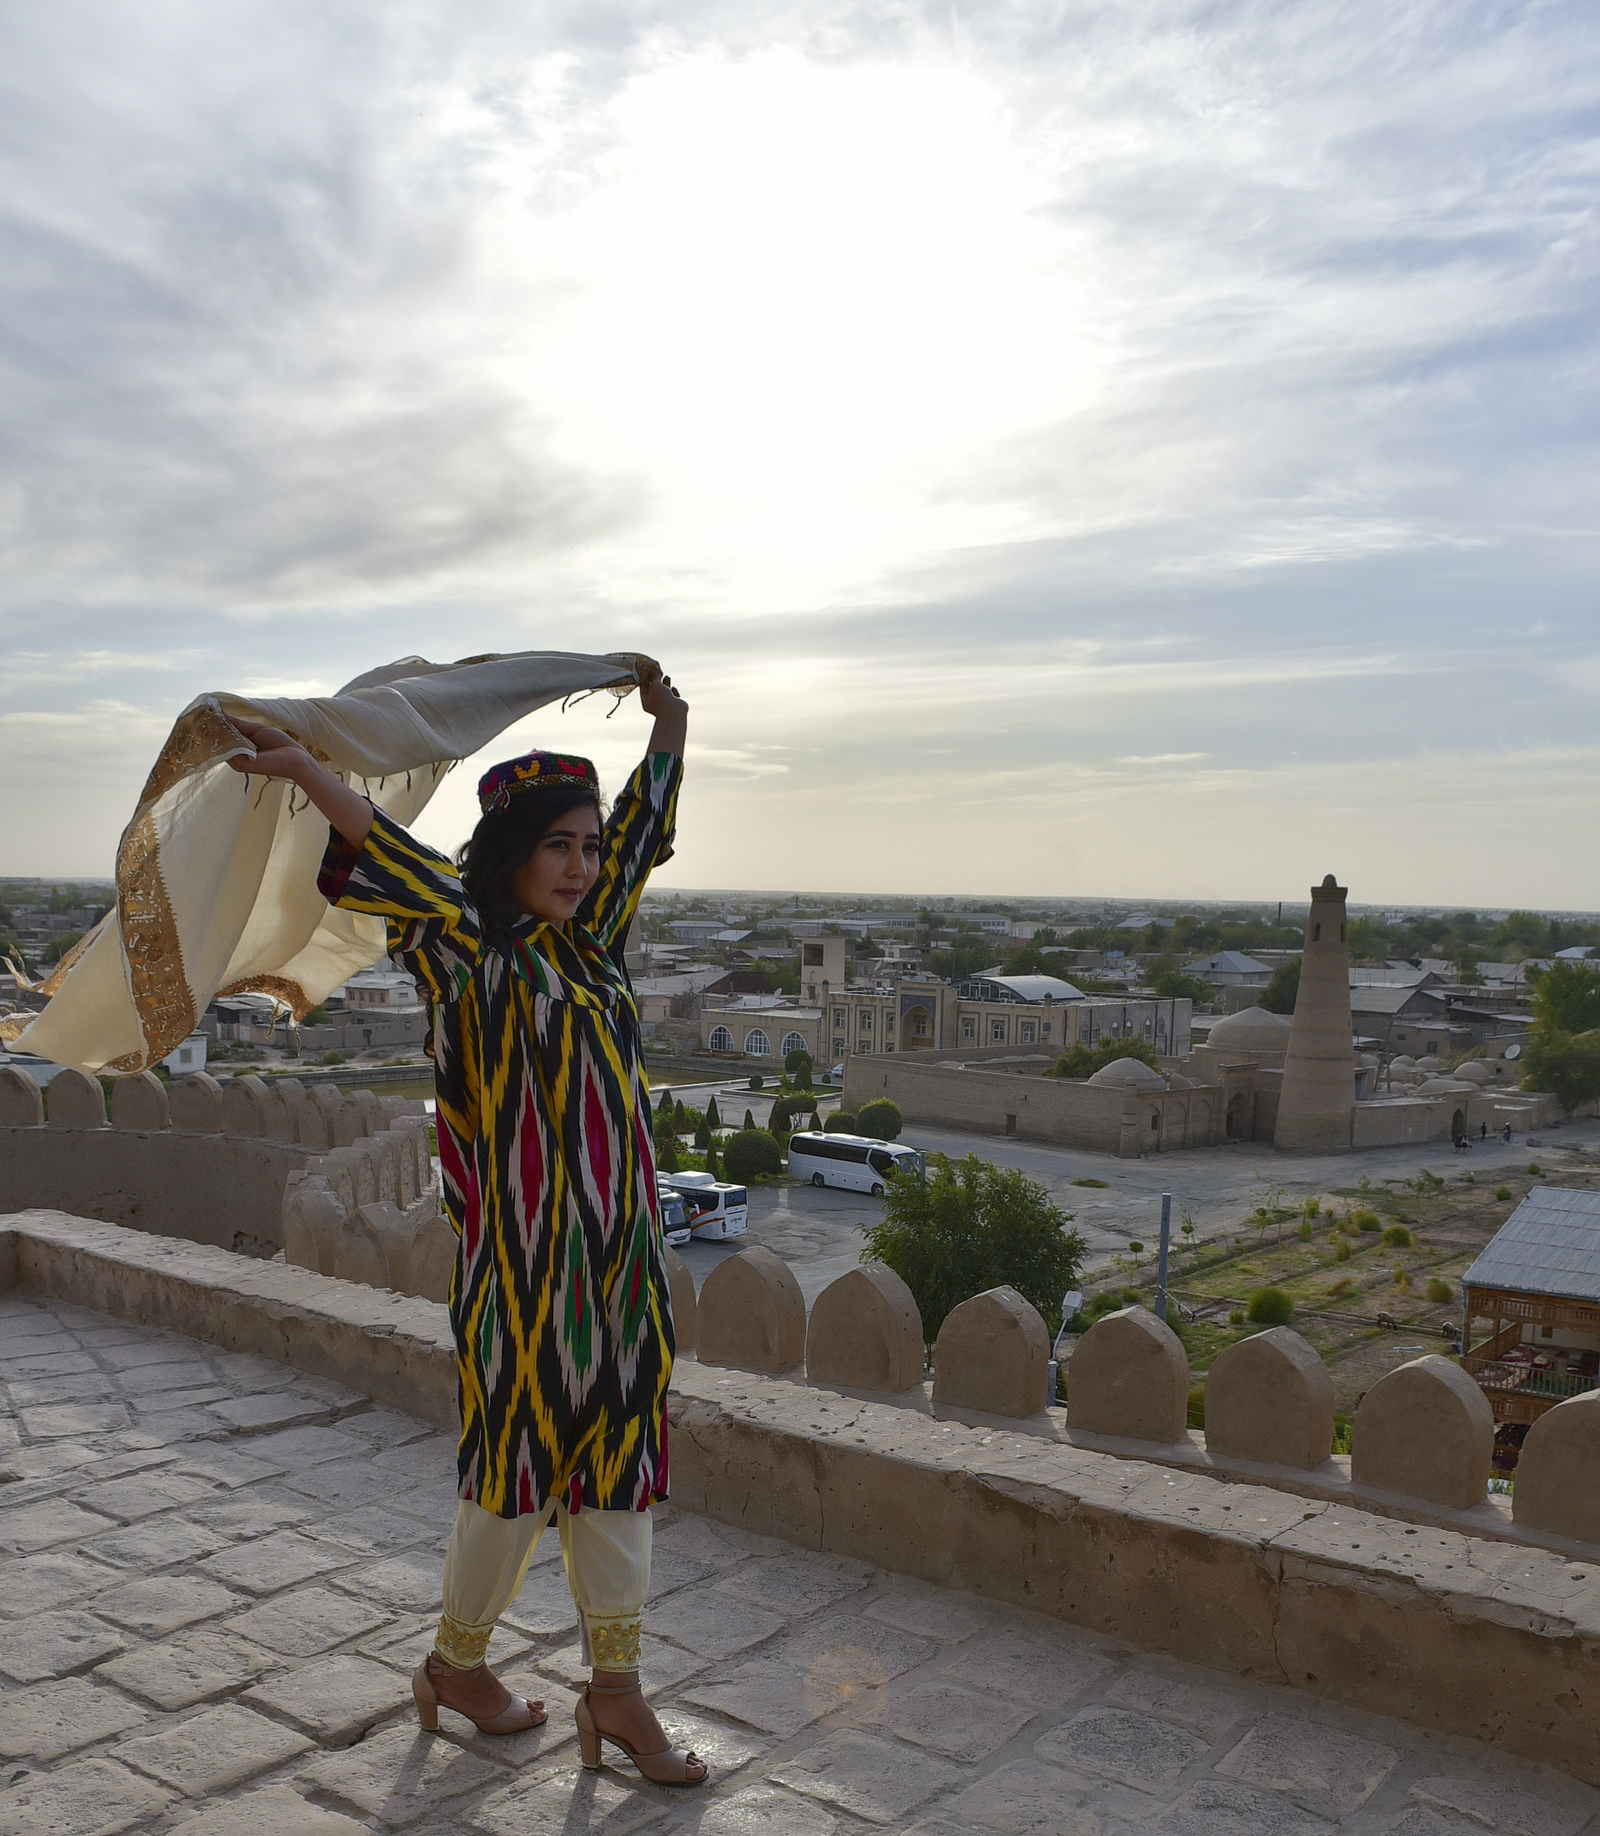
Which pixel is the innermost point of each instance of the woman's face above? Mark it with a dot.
(555, 879)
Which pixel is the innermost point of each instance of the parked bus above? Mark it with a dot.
(856, 1162)
(674, 1210)
(716, 1209)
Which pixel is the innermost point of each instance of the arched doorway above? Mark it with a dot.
(1458, 1124)
(1238, 1109)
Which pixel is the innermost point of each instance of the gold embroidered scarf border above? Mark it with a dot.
(150, 943)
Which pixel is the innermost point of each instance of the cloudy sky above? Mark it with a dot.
(1140, 447)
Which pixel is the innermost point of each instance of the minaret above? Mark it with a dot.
(1316, 1109)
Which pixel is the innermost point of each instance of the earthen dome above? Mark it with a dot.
(1252, 1029)
(1129, 1071)
(1471, 1073)
(1445, 1086)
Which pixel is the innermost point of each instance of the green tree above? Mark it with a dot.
(1566, 1064)
(713, 1164)
(751, 1153)
(1566, 998)
(713, 1115)
(1281, 992)
(1174, 985)
(1080, 1060)
(881, 1118)
(841, 1122)
(968, 1227)
(797, 1068)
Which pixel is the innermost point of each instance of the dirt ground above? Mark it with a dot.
(1340, 1278)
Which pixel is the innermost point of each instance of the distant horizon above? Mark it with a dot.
(974, 901)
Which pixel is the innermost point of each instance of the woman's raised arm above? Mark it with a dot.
(279, 756)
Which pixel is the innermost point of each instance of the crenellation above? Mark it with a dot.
(140, 1102)
(196, 1104)
(76, 1101)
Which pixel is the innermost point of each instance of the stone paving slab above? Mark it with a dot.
(215, 1634)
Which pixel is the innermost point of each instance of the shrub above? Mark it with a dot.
(797, 1068)
(1367, 1220)
(1344, 1434)
(1236, 1317)
(881, 1118)
(1269, 1307)
(1503, 1193)
(702, 1136)
(1304, 1232)
(1439, 1290)
(680, 1118)
(1535, 1169)
(757, 1082)
(1136, 1248)
(1091, 1182)
(713, 1115)
(1348, 1227)
(1342, 1286)
(663, 1104)
(1341, 1249)
(1197, 1406)
(1113, 1300)
(968, 1227)
(841, 1122)
(1398, 1237)
(1080, 1061)
(749, 1122)
(751, 1153)
(1402, 1280)
(713, 1164)
(1312, 1207)
(668, 1159)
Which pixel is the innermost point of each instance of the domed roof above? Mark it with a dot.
(1252, 1029)
(1129, 1071)
(1444, 1086)
(1403, 1063)
(1472, 1073)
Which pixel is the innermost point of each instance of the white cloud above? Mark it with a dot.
(1159, 402)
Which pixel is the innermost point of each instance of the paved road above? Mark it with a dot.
(216, 1574)
(820, 1234)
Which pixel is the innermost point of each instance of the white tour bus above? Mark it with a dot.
(716, 1209)
(856, 1162)
(674, 1208)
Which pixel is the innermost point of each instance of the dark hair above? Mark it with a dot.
(503, 840)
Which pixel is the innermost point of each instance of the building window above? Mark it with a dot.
(1044, 1029)
(792, 1042)
(1026, 1030)
(838, 1047)
(919, 1025)
(997, 1032)
(838, 1016)
(755, 1043)
(969, 1029)
(864, 1020)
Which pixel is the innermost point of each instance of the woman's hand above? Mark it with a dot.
(276, 756)
(279, 756)
(657, 696)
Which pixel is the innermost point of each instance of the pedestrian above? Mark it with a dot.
(559, 1300)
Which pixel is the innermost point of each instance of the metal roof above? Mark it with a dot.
(1032, 988)
(1227, 962)
(1549, 1245)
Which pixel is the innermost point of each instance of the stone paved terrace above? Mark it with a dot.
(216, 1573)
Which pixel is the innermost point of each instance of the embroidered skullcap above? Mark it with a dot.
(533, 771)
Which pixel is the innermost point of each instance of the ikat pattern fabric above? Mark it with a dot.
(559, 1300)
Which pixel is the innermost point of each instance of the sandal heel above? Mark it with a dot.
(588, 1737)
(427, 1702)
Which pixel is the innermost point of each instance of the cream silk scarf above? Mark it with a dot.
(217, 872)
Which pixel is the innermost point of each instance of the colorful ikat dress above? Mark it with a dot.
(559, 1299)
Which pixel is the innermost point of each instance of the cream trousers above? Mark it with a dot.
(607, 1558)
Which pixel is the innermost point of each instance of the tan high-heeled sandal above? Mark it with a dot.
(520, 1716)
(668, 1767)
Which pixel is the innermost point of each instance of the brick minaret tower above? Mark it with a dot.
(1316, 1110)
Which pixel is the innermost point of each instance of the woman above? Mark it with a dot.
(559, 1297)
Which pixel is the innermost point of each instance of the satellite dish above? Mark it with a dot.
(1513, 1051)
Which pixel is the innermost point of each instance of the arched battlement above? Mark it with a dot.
(199, 1159)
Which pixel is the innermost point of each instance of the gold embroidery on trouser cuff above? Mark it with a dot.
(614, 1643)
(462, 1647)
